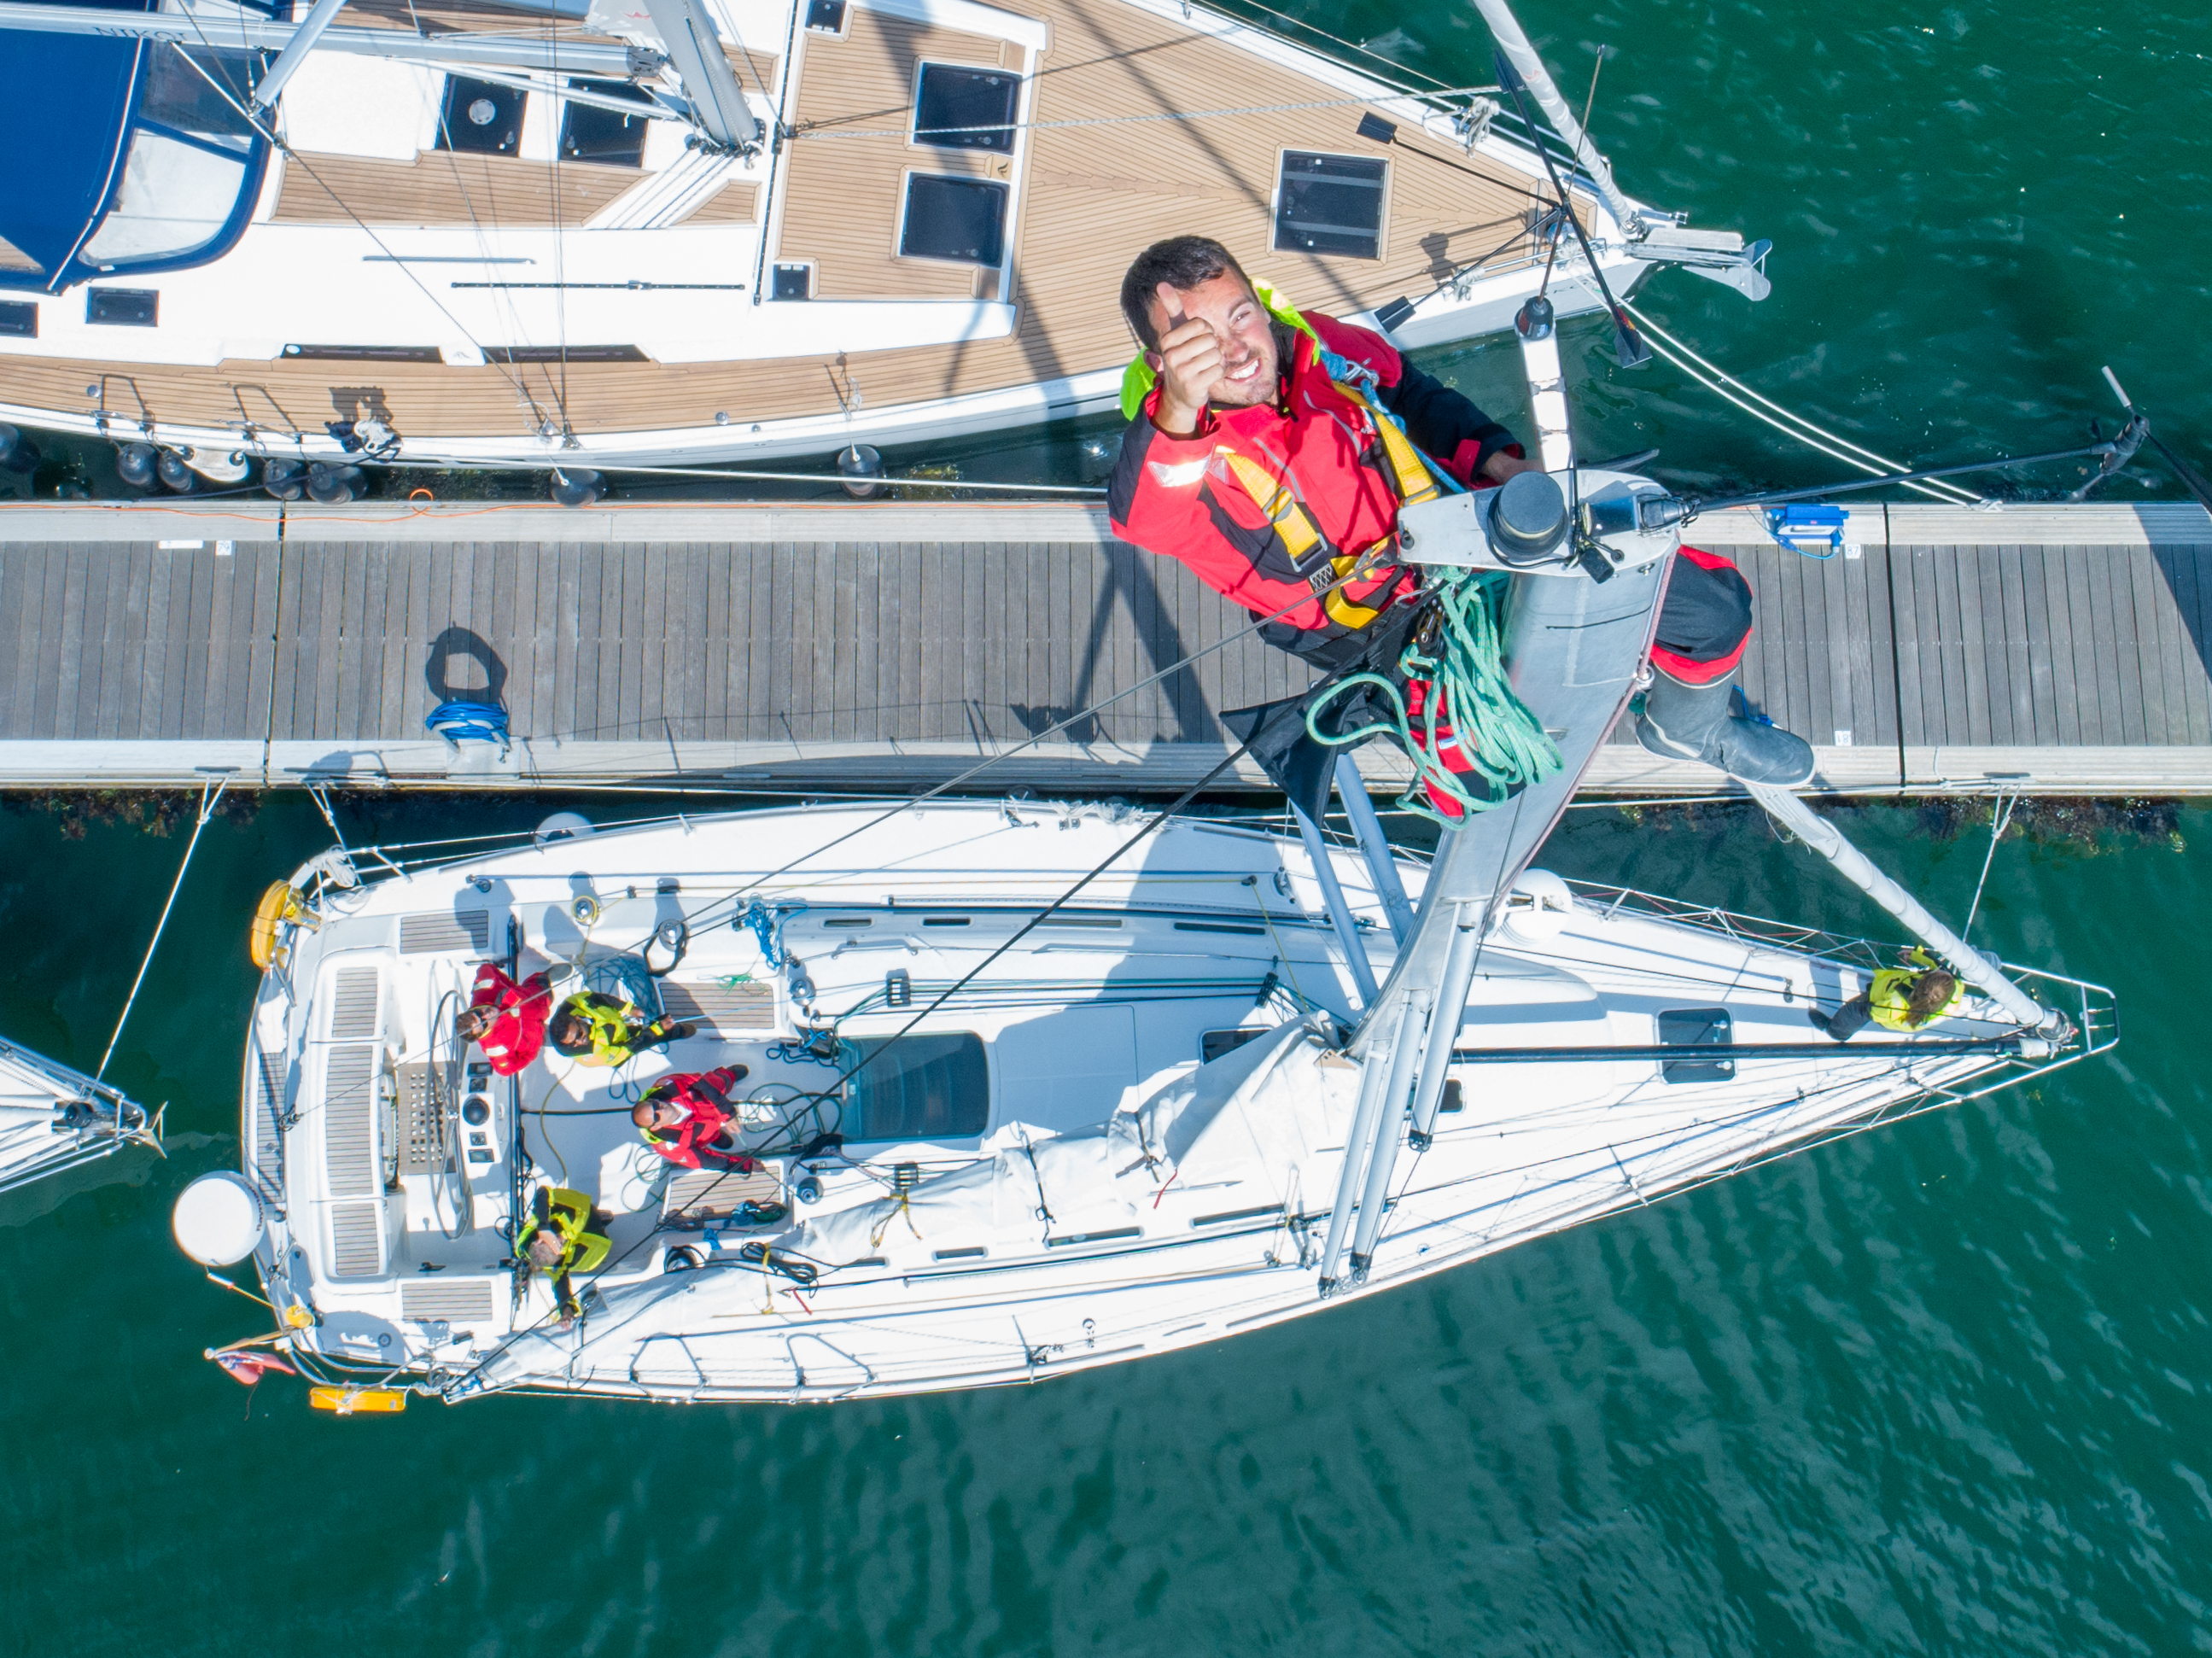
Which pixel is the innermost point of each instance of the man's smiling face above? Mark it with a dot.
(1245, 336)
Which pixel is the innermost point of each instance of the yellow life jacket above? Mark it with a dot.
(614, 1029)
(568, 1213)
(1889, 1000)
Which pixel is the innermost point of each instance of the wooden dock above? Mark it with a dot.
(2046, 649)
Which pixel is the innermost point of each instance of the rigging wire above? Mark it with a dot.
(822, 129)
(560, 237)
(989, 760)
(483, 244)
(210, 792)
(1083, 490)
(1718, 381)
(1350, 45)
(2001, 816)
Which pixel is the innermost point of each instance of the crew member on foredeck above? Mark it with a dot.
(592, 1028)
(505, 1019)
(1270, 455)
(1901, 999)
(687, 1119)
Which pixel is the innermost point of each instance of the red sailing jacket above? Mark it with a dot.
(705, 1098)
(1177, 497)
(518, 1032)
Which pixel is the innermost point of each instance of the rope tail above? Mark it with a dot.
(1461, 656)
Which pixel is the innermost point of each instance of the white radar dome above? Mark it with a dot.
(218, 1220)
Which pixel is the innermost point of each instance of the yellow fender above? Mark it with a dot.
(358, 1401)
(280, 907)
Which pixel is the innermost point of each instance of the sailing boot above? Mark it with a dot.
(1692, 722)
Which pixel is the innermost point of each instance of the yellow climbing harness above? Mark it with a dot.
(1294, 526)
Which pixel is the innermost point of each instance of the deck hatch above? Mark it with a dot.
(922, 1088)
(19, 319)
(357, 1240)
(480, 116)
(961, 220)
(826, 17)
(590, 133)
(1212, 1044)
(1330, 204)
(460, 929)
(957, 107)
(1696, 1027)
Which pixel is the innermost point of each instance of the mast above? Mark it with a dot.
(1514, 43)
(294, 53)
(718, 103)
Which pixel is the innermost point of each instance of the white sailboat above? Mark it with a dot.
(667, 232)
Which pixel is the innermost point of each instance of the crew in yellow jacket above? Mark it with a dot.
(1905, 998)
(557, 1239)
(594, 1029)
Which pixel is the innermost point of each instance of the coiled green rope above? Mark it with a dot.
(1506, 744)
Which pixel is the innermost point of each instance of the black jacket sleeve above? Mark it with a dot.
(1442, 421)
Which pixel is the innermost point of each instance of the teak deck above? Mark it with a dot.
(1095, 195)
(2058, 650)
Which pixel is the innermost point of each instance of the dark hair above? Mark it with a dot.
(1181, 262)
(1930, 995)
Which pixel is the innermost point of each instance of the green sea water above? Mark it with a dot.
(1941, 1388)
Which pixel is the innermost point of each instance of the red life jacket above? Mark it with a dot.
(705, 1098)
(518, 1032)
(1194, 499)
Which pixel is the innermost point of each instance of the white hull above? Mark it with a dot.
(1029, 1243)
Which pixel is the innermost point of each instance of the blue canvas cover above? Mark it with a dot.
(71, 105)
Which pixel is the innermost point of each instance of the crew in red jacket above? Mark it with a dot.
(1270, 470)
(685, 1117)
(506, 1018)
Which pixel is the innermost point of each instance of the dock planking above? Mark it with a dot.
(2053, 648)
